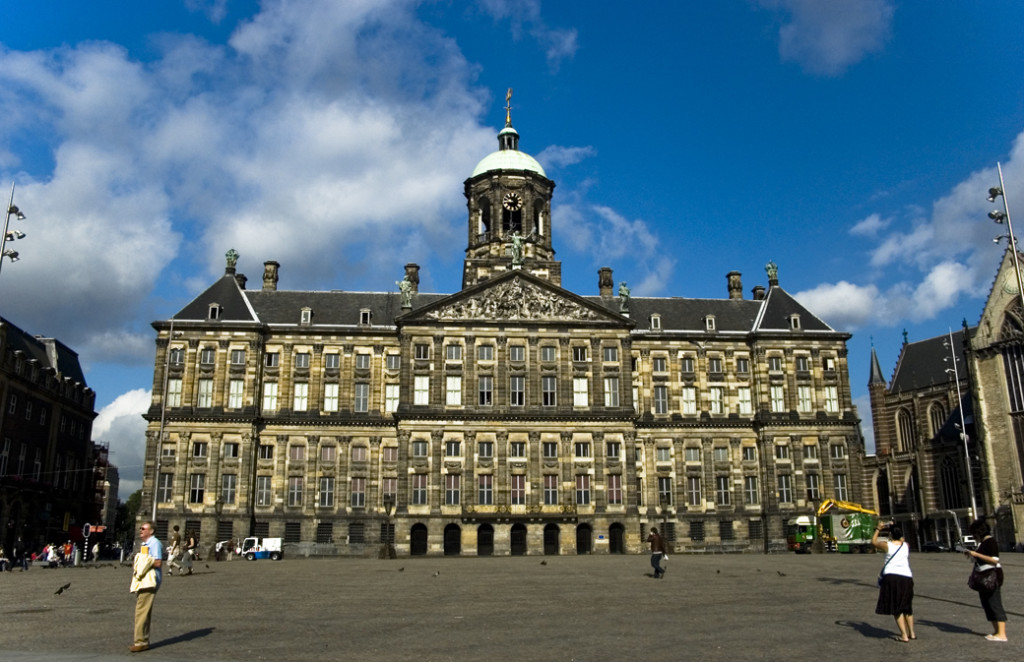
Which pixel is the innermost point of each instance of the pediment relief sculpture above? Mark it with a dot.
(514, 300)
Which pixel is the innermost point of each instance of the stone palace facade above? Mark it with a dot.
(510, 417)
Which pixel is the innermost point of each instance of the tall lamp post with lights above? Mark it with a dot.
(962, 427)
(1001, 217)
(9, 234)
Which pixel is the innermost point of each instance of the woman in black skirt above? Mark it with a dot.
(896, 583)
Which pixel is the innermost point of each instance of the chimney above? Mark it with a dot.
(758, 292)
(241, 280)
(735, 285)
(412, 272)
(270, 276)
(605, 282)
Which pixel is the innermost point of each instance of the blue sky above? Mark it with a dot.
(850, 142)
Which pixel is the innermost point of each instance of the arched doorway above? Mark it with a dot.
(584, 539)
(452, 540)
(518, 536)
(616, 539)
(485, 540)
(551, 540)
(418, 540)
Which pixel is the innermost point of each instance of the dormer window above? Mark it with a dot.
(216, 311)
(709, 323)
(655, 322)
(794, 322)
(305, 316)
(364, 317)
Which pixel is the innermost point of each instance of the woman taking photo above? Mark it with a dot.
(986, 560)
(896, 582)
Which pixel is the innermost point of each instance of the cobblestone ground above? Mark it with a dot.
(713, 607)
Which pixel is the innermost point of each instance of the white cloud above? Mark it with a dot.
(843, 305)
(557, 156)
(826, 37)
(870, 226)
(120, 424)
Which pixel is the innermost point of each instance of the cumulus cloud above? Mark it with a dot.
(843, 305)
(121, 426)
(825, 38)
(557, 156)
(870, 226)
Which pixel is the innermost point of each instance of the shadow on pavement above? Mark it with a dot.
(187, 636)
(946, 627)
(866, 629)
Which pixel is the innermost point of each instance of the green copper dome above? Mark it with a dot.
(508, 156)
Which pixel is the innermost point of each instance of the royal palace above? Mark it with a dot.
(511, 417)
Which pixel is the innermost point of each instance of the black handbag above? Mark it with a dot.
(984, 581)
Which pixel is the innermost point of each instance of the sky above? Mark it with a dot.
(852, 143)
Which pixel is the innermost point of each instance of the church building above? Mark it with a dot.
(511, 417)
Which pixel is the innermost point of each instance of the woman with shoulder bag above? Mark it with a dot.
(987, 578)
(896, 582)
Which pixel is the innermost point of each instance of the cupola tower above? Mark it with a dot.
(509, 202)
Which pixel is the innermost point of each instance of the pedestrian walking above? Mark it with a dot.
(987, 578)
(657, 552)
(145, 583)
(895, 581)
(175, 550)
(21, 554)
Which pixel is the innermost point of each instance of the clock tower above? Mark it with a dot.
(509, 201)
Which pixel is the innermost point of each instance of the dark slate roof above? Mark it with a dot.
(49, 352)
(876, 369)
(778, 308)
(339, 307)
(334, 307)
(924, 363)
(679, 314)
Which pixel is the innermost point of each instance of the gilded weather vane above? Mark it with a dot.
(508, 107)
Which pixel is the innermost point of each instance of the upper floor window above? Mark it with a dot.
(272, 359)
(302, 360)
(803, 363)
(421, 351)
(362, 361)
(579, 354)
(207, 355)
(177, 356)
(775, 363)
(714, 365)
(655, 322)
(332, 361)
(364, 316)
(659, 364)
(453, 352)
(485, 352)
(393, 361)
(610, 353)
(742, 365)
(238, 357)
(686, 364)
(516, 353)
(305, 316)
(829, 364)
(547, 353)
(215, 311)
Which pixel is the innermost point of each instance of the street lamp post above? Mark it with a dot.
(1000, 217)
(8, 234)
(962, 428)
(387, 546)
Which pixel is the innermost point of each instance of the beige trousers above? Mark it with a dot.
(143, 615)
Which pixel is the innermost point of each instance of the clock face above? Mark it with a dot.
(512, 202)
(1010, 284)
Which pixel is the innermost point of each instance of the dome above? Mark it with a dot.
(508, 159)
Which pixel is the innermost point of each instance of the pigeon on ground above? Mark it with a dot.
(437, 572)
(62, 589)
(781, 574)
(401, 570)
(543, 562)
